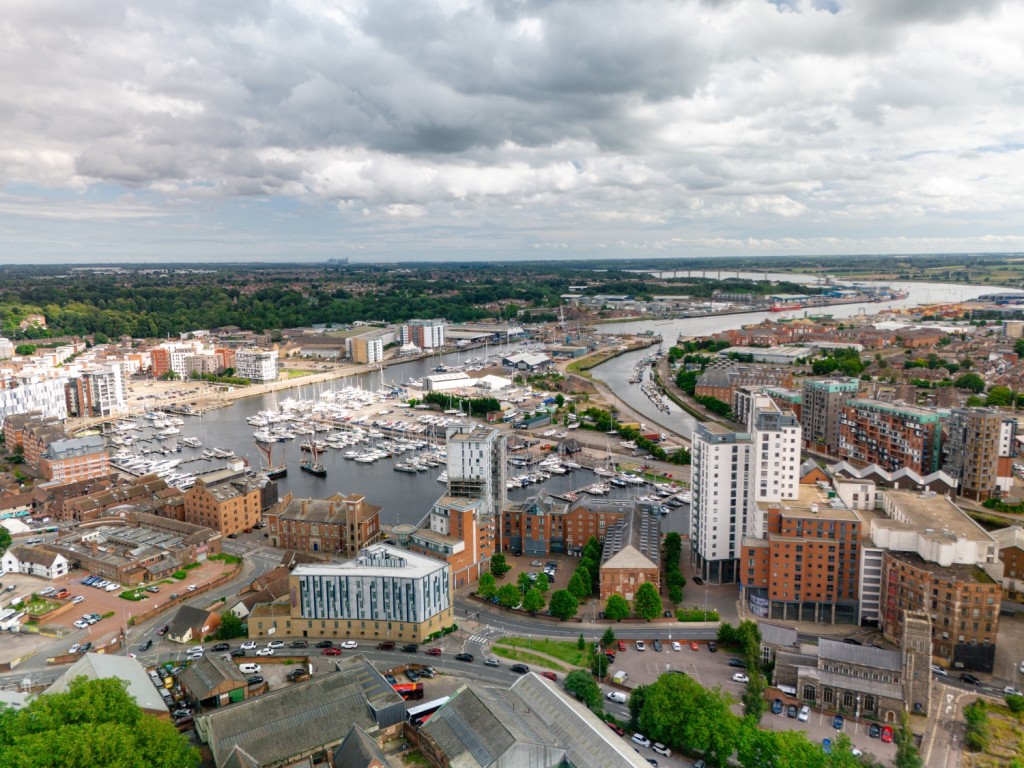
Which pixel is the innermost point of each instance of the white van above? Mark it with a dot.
(617, 696)
(250, 669)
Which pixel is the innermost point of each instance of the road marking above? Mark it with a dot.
(478, 639)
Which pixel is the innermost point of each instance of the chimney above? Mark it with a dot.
(305, 505)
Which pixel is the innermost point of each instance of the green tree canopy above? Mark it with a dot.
(5, 539)
(999, 396)
(579, 584)
(509, 596)
(608, 638)
(679, 712)
(972, 382)
(564, 604)
(906, 753)
(542, 582)
(616, 608)
(647, 603)
(523, 581)
(499, 565)
(533, 601)
(581, 684)
(230, 626)
(95, 724)
(487, 587)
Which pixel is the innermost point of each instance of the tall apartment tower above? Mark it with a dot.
(891, 435)
(476, 466)
(425, 334)
(732, 472)
(978, 447)
(822, 406)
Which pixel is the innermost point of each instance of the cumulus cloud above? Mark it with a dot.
(591, 125)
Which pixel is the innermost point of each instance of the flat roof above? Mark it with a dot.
(371, 562)
(812, 502)
(931, 512)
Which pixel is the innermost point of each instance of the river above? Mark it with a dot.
(617, 371)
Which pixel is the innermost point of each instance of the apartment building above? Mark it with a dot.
(385, 593)
(733, 472)
(21, 393)
(425, 334)
(456, 531)
(891, 435)
(805, 565)
(937, 560)
(76, 458)
(228, 501)
(368, 349)
(821, 406)
(476, 466)
(1010, 542)
(544, 524)
(99, 391)
(978, 447)
(257, 365)
(336, 525)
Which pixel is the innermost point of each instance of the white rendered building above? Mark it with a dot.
(257, 365)
(476, 466)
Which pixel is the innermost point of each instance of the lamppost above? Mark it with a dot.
(705, 601)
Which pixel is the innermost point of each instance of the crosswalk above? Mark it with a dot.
(478, 639)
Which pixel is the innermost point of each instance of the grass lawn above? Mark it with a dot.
(526, 657)
(293, 374)
(1005, 743)
(565, 650)
(38, 605)
(230, 559)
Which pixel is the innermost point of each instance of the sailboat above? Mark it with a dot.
(311, 463)
(269, 469)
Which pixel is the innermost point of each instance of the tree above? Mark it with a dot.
(509, 596)
(753, 696)
(582, 685)
(533, 601)
(592, 549)
(970, 381)
(999, 396)
(616, 608)
(600, 666)
(906, 753)
(487, 587)
(581, 642)
(5, 539)
(25, 350)
(647, 603)
(675, 594)
(499, 566)
(1015, 703)
(579, 584)
(679, 712)
(524, 582)
(95, 724)
(1018, 347)
(542, 583)
(564, 604)
(230, 627)
(608, 638)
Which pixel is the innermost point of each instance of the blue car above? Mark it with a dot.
(837, 722)
(826, 744)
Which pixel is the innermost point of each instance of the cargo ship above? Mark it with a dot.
(784, 307)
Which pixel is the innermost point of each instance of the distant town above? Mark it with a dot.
(543, 514)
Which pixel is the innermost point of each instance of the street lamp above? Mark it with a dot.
(705, 601)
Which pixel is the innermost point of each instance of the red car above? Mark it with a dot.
(433, 651)
(331, 651)
(887, 734)
(615, 728)
(694, 646)
(163, 629)
(549, 675)
(622, 645)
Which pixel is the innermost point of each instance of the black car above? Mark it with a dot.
(391, 679)
(852, 641)
(791, 711)
(298, 644)
(610, 656)
(657, 646)
(298, 674)
(698, 580)
(146, 645)
(464, 657)
(520, 669)
(738, 663)
(777, 707)
(410, 648)
(325, 644)
(86, 647)
(967, 677)
(667, 614)
(874, 731)
(712, 646)
(221, 647)
(238, 653)
(255, 680)
(386, 646)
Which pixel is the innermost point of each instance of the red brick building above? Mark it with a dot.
(336, 525)
(631, 554)
(547, 525)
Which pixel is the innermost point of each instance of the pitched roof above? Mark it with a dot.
(358, 750)
(863, 655)
(1013, 536)
(208, 673)
(187, 617)
(774, 634)
(31, 554)
(634, 542)
(96, 666)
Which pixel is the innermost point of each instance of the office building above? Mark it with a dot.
(256, 365)
(891, 435)
(385, 593)
(820, 409)
(425, 334)
(978, 448)
(341, 525)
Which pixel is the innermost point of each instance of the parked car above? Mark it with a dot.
(391, 679)
(433, 651)
(82, 624)
(520, 669)
(153, 590)
(428, 672)
(249, 645)
(694, 646)
(255, 680)
(699, 582)
(617, 696)
(410, 648)
(549, 675)
(464, 657)
(163, 630)
(77, 599)
(676, 645)
(332, 652)
(661, 749)
(738, 663)
(1011, 691)
(298, 644)
(805, 714)
(62, 595)
(777, 707)
(238, 653)
(791, 710)
(296, 675)
(826, 744)
(712, 646)
(321, 644)
(180, 714)
(388, 646)
(265, 652)
(937, 670)
(622, 647)
(970, 679)
(74, 649)
(412, 675)
(639, 738)
(887, 734)
(275, 644)
(46, 592)
(874, 731)
(221, 647)
(640, 646)
(837, 722)
(615, 728)
(739, 677)
(657, 646)
(350, 645)
(86, 647)
(191, 587)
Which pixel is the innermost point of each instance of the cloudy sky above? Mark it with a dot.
(498, 129)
